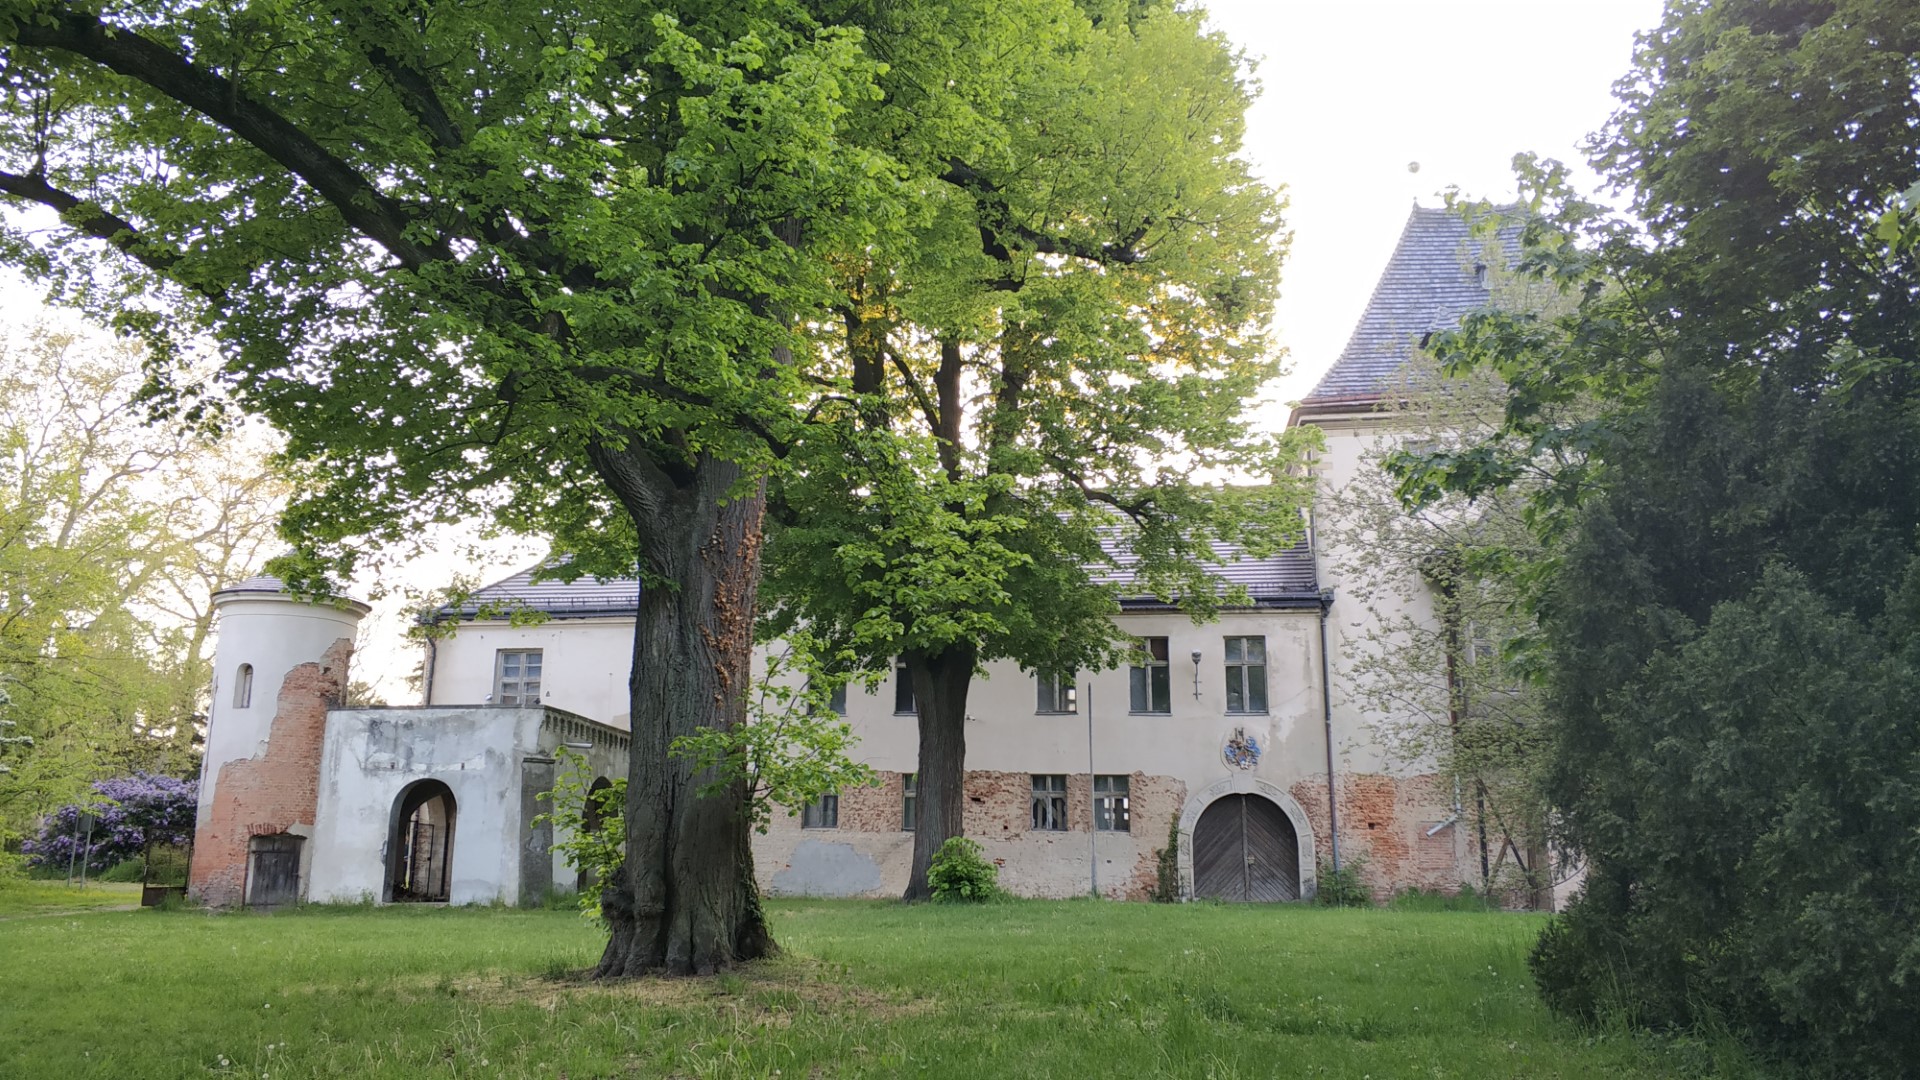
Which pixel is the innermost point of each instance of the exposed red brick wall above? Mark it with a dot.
(1385, 819)
(1153, 805)
(874, 809)
(998, 804)
(271, 793)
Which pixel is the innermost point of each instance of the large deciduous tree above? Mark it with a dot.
(113, 538)
(1730, 625)
(1046, 367)
(514, 260)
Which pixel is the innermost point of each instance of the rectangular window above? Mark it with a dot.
(909, 803)
(1148, 678)
(1110, 804)
(1050, 803)
(1056, 694)
(837, 701)
(1247, 674)
(516, 678)
(902, 690)
(822, 813)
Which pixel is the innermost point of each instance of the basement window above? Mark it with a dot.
(1110, 804)
(1050, 802)
(821, 813)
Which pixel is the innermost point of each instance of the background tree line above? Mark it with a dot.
(113, 536)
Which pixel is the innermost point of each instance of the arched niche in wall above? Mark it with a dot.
(243, 687)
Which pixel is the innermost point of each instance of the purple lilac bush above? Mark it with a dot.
(129, 811)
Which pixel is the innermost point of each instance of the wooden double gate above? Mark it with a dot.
(1245, 849)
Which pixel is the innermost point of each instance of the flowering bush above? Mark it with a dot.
(129, 811)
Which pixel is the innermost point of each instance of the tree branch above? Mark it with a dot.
(379, 217)
(997, 226)
(97, 222)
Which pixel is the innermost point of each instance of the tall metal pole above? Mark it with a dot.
(1093, 804)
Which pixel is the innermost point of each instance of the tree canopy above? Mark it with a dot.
(564, 270)
(1046, 366)
(1729, 622)
(113, 538)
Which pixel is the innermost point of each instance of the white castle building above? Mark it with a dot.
(1241, 740)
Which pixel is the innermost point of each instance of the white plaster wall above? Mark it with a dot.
(1351, 446)
(275, 633)
(372, 754)
(1006, 733)
(584, 664)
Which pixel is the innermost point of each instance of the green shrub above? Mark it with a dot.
(124, 871)
(1466, 899)
(960, 872)
(1344, 887)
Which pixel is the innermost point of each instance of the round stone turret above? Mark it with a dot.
(279, 664)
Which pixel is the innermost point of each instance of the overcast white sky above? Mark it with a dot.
(1357, 89)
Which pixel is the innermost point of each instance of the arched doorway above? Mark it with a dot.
(1246, 849)
(420, 851)
(592, 819)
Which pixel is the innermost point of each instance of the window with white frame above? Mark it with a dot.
(1050, 802)
(1149, 684)
(1056, 693)
(902, 690)
(243, 687)
(516, 677)
(1246, 674)
(1110, 804)
(909, 803)
(821, 813)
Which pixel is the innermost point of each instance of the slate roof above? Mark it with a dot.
(1429, 283)
(1282, 580)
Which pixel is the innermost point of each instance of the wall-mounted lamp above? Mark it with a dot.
(1196, 674)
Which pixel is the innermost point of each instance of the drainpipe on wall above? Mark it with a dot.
(1326, 720)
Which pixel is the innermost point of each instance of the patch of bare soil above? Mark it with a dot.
(768, 992)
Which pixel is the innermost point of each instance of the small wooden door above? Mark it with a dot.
(273, 870)
(1245, 849)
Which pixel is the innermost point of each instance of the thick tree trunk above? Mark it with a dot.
(940, 684)
(685, 901)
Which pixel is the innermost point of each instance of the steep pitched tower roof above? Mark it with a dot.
(1436, 276)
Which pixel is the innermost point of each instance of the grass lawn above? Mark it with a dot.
(1036, 989)
(24, 896)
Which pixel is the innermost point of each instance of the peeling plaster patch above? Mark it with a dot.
(820, 868)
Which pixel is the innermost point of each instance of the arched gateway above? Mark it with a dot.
(1243, 839)
(420, 850)
(1245, 849)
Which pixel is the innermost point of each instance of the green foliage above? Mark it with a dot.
(1345, 887)
(1465, 898)
(122, 872)
(1726, 622)
(960, 873)
(1166, 867)
(792, 750)
(590, 826)
(112, 536)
